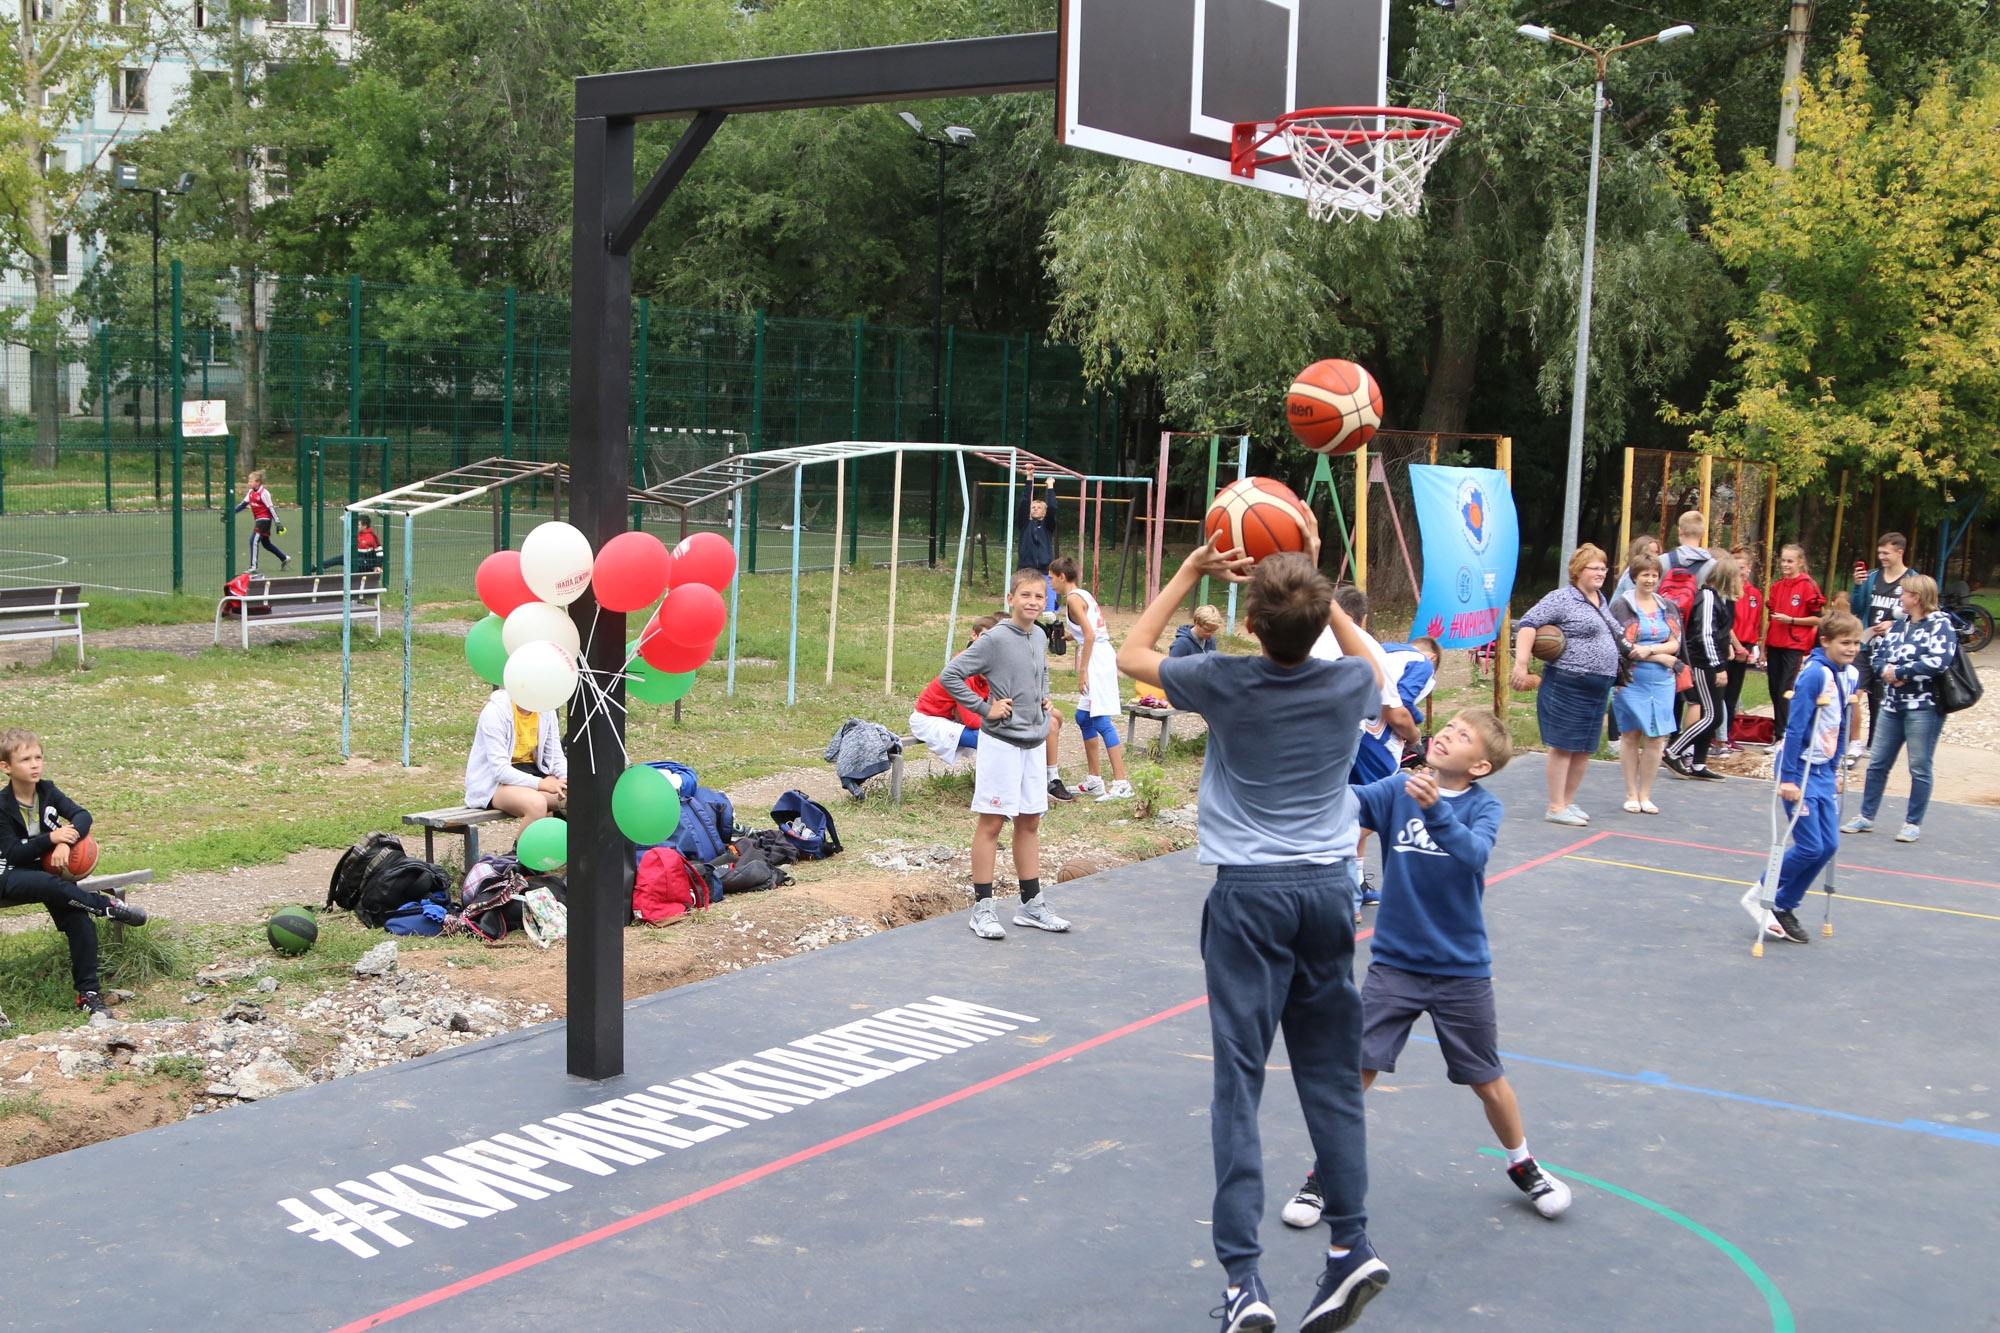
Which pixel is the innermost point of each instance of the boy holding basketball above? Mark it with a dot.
(1007, 782)
(1277, 822)
(39, 825)
(1429, 954)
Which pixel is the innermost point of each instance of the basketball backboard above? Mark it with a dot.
(1164, 81)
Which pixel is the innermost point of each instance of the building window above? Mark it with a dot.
(54, 160)
(309, 13)
(59, 254)
(277, 182)
(128, 90)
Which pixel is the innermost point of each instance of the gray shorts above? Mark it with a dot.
(1461, 1010)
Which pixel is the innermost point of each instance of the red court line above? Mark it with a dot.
(1544, 860)
(527, 1261)
(1737, 851)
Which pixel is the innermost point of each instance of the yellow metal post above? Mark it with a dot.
(1361, 518)
(1625, 511)
(1707, 490)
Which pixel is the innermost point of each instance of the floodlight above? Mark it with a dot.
(126, 176)
(1675, 33)
(912, 121)
(185, 183)
(1534, 33)
(959, 134)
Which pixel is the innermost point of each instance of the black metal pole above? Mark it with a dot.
(600, 860)
(937, 360)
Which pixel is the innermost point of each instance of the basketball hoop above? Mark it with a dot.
(1355, 161)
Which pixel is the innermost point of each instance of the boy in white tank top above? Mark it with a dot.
(1099, 704)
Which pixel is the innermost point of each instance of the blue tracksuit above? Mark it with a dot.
(1815, 739)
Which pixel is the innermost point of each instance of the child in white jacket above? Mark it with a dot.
(517, 762)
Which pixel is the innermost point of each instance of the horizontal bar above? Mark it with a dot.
(972, 67)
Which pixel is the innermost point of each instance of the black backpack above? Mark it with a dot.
(396, 881)
(343, 890)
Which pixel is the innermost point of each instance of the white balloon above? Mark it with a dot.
(555, 562)
(540, 676)
(538, 622)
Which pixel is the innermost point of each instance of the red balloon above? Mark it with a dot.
(705, 558)
(663, 654)
(693, 614)
(630, 572)
(500, 583)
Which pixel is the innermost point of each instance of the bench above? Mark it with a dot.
(53, 612)
(301, 599)
(461, 819)
(906, 743)
(1164, 716)
(115, 885)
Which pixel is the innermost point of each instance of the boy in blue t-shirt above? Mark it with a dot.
(1430, 954)
(1277, 938)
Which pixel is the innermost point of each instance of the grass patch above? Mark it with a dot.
(27, 1103)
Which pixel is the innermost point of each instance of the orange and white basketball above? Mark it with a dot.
(1259, 516)
(1334, 407)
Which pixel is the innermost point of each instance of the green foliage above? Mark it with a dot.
(187, 1068)
(1149, 789)
(146, 954)
(27, 1103)
(1869, 337)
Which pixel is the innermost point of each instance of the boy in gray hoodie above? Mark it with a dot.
(1008, 782)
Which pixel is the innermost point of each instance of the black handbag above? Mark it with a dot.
(1958, 687)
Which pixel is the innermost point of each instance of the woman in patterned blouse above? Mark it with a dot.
(1573, 690)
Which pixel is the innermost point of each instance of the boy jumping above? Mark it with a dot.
(1007, 775)
(1098, 705)
(1430, 954)
(1277, 942)
(36, 819)
(1810, 773)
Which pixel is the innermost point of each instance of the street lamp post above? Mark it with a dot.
(1573, 483)
(955, 136)
(127, 179)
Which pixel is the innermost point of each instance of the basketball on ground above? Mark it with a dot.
(292, 930)
(1334, 407)
(82, 859)
(1259, 516)
(1549, 644)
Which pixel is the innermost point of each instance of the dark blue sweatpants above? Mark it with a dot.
(1815, 840)
(1277, 943)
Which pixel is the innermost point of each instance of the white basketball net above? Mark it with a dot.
(1369, 164)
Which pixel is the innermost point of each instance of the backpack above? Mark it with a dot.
(668, 886)
(768, 845)
(1680, 584)
(487, 906)
(397, 881)
(238, 587)
(807, 826)
(343, 889)
(708, 819)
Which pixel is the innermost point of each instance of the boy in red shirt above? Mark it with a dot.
(951, 730)
(1796, 605)
(1749, 630)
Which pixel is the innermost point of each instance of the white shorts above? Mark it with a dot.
(941, 735)
(1008, 780)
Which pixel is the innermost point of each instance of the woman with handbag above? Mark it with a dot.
(1643, 707)
(1909, 655)
(1570, 699)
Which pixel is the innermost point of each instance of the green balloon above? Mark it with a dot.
(646, 805)
(485, 652)
(648, 684)
(543, 845)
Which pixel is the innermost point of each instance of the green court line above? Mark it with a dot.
(1781, 1313)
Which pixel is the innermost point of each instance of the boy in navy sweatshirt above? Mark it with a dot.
(1430, 954)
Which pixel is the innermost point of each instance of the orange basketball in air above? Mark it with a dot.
(1334, 407)
(1257, 515)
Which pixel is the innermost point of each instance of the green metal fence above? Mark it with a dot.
(367, 385)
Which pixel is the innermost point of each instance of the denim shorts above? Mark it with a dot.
(1461, 1010)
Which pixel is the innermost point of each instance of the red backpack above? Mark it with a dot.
(1680, 584)
(667, 887)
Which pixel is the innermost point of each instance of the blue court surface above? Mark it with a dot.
(919, 1130)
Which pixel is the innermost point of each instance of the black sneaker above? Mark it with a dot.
(1703, 773)
(1306, 1206)
(124, 913)
(1370, 895)
(1794, 932)
(1248, 1310)
(1058, 792)
(93, 1004)
(1679, 765)
(1549, 1195)
(1349, 1283)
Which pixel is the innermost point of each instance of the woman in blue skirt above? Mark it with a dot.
(1569, 703)
(1644, 707)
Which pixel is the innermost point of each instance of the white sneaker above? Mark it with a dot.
(1035, 912)
(1579, 812)
(1856, 749)
(1306, 1206)
(1091, 786)
(1910, 833)
(1117, 791)
(985, 921)
(1548, 1193)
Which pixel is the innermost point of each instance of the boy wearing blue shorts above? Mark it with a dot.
(1429, 953)
(1098, 704)
(1277, 935)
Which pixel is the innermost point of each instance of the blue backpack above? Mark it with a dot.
(708, 819)
(807, 826)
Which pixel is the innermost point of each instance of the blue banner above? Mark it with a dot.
(1471, 542)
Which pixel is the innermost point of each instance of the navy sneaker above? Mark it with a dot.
(1350, 1282)
(1248, 1311)
(1370, 895)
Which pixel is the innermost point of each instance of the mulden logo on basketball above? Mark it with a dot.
(1414, 837)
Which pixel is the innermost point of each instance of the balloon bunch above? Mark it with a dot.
(530, 645)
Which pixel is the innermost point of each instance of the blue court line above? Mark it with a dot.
(1774, 1300)
(1658, 1080)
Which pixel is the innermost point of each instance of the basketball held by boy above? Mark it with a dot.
(1429, 953)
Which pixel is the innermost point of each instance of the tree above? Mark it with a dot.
(60, 55)
(1870, 338)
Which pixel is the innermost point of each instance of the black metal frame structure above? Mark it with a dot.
(607, 222)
